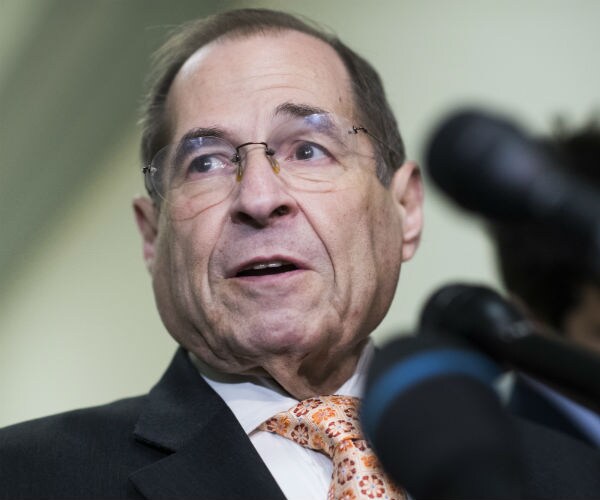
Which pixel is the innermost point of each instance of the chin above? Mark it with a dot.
(281, 340)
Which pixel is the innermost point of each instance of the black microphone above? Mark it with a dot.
(436, 423)
(488, 165)
(494, 325)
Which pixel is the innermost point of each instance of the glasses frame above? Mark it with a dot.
(149, 169)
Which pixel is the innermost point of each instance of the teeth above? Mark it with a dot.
(267, 265)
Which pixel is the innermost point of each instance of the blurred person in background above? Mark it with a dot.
(547, 276)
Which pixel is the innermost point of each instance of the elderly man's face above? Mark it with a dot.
(304, 322)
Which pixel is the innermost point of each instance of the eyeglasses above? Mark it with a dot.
(308, 153)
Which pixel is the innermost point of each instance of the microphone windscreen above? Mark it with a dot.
(436, 423)
(485, 164)
(473, 312)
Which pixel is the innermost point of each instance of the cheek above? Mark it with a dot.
(387, 233)
(376, 221)
(381, 242)
(336, 218)
(184, 251)
(360, 228)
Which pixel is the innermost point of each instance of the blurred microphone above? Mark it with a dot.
(488, 165)
(437, 425)
(492, 324)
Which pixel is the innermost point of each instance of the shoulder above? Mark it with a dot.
(61, 453)
(528, 402)
(100, 420)
(556, 465)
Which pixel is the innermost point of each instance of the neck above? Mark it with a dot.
(312, 376)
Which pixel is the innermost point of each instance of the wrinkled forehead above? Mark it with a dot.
(240, 82)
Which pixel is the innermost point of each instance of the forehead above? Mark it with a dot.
(240, 82)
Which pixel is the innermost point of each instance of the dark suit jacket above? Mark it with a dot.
(528, 403)
(182, 441)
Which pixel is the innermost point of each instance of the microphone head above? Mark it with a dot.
(485, 164)
(473, 312)
(436, 424)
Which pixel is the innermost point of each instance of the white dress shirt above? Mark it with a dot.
(301, 473)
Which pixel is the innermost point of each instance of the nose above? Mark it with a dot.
(261, 198)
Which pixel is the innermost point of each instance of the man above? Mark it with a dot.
(275, 268)
(549, 277)
(280, 211)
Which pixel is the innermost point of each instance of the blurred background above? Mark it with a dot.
(78, 325)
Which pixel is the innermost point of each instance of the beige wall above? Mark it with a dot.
(77, 322)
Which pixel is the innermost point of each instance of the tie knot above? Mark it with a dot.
(330, 424)
(321, 423)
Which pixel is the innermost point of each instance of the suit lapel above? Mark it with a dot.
(209, 454)
(527, 402)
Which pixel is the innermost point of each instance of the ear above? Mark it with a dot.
(146, 217)
(407, 190)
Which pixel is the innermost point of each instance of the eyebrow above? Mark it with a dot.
(287, 108)
(298, 110)
(183, 145)
(198, 132)
(325, 125)
(291, 109)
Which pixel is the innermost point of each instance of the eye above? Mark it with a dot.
(206, 164)
(309, 151)
(201, 157)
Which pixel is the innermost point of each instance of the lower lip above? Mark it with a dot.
(270, 278)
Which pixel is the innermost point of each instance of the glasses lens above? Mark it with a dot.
(315, 150)
(308, 153)
(196, 170)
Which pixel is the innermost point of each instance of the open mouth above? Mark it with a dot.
(267, 268)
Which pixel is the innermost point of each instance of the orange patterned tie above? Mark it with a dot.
(330, 424)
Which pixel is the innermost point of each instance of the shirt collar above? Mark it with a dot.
(254, 399)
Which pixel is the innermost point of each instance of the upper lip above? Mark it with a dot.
(250, 263)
